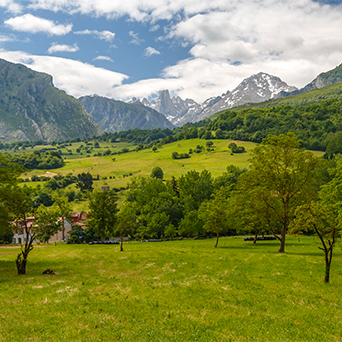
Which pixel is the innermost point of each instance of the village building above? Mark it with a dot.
(76, 219)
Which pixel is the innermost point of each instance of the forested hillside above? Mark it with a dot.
(316, 124)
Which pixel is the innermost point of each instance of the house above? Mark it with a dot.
(76, 219)
(63, 234)
(20, 236)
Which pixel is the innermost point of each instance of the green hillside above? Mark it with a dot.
(31, 108)
(315, 118)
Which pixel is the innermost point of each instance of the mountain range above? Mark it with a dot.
(31, 108)
(257, 88)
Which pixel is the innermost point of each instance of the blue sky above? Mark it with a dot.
(194, 48)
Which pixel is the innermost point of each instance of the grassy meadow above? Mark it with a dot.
(142, 162)
(172, 291)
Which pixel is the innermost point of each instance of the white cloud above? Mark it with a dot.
(136, 40)
(104, 35)
(75, 77)
(32, 24)
(293, 39)
(11, 6)
(62, 48)
(103, 58)
(5, 39)
(154, 28)
(149, 51)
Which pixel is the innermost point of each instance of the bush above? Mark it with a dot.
(236, 149)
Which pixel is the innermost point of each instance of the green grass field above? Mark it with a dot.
(172, 291)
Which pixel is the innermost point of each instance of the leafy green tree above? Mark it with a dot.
(194, 188)
(48, 222)
(156, 224)
(282, 176)
(19, 206)
(326, 223)
(150, 196)
(84, 182)
(63, 207)
(126, 222)
(191, 225)
(170, 231)
(214, 214)
(102, 212)
(157, 172)
(248, 214)
(324, 216)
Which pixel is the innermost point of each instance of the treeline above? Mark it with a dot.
(315, 124)
(38, 160)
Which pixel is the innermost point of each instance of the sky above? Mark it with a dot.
(195, 48)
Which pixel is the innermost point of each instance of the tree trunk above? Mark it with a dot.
(328, 257)
(327, 272)
(255, 237)
(102, 236)
(217, 238)
(121, 239)
(282, 243)
(63, 229)
(21, 263)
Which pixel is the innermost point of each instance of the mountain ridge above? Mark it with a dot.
(256, 88)
(31, 108)
(116, 116)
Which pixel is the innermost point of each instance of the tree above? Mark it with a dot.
(157, 223)
(84, 182)
(170, 231)
(150, 196)
(102, 212)
(126, 222)
(194, 188)
(48, 222)
(214, 214)
(282, 176)
(191, 225)
(326, 223)
(157, 172)
(324, 216)
(63, 208)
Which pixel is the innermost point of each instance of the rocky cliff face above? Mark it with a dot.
(257, 88)
(31, 108)
(116, 116)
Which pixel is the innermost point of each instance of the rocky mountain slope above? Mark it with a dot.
(31, 108)
(116, 116)
(257, 88)
(322, 80)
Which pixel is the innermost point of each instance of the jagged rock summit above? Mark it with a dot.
(31, 108)
(257, 88)
(116, 116)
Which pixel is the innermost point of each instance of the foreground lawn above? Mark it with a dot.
(172, 291)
